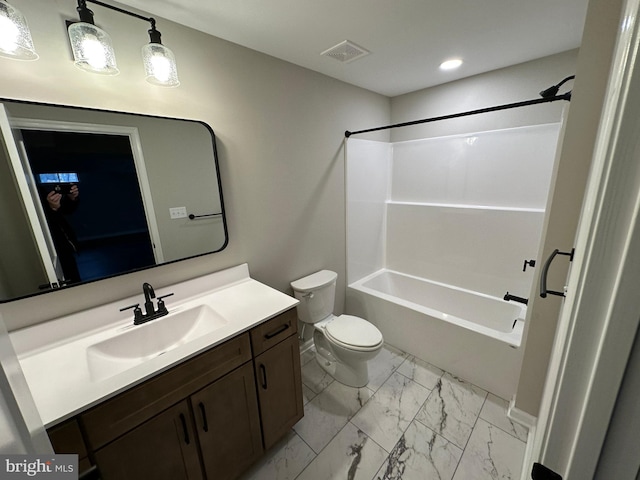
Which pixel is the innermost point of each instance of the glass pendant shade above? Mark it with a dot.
(160, 65)
(92, 49)
(15, 37)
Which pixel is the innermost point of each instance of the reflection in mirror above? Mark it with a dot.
(89, 194)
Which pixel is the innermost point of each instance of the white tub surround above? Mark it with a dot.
(70, 363)
(438, 230)
(472, 335)
(465, 210)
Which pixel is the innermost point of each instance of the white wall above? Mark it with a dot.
(507, 85)
(280, 143)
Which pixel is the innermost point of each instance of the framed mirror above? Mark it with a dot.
(89, 194)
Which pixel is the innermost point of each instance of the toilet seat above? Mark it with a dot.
(353, 333)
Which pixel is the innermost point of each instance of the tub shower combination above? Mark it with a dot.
(438, 230)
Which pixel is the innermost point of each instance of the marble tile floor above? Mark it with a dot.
(412, 421)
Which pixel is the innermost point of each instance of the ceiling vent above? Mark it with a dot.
(346, 52)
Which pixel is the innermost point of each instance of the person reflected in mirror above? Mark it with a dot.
(61, 201)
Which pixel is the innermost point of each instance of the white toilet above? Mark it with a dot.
(343, 344)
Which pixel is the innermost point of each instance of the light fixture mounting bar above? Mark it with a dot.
(121, 10)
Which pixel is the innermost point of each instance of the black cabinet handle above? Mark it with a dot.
(276, 332)
(183, 419)
(545, 271)
(263, 371)
(205, 424)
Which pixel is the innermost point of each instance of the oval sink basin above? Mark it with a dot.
(143, 342)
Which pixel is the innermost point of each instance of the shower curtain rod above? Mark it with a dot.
(565, 96)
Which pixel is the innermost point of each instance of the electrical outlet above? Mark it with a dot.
(178, 212)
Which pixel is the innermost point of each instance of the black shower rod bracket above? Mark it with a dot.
(553, 90)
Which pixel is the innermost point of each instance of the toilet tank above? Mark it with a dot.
(316, 293)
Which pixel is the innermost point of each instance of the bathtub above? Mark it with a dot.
(474, 336)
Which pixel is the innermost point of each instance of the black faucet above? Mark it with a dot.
(150, 311)
(508, 296)
(149, 293)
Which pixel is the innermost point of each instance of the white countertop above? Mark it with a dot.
(53, 355)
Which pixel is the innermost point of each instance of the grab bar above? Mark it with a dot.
(545, 270)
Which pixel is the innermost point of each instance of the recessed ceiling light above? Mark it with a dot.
(451, 64)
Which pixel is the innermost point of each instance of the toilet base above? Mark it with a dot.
(353, 376)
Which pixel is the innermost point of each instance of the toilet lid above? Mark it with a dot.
(354, 331)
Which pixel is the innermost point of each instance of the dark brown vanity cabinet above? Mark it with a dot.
(228, 424)
(277, 364)
(209, 417)
(163, 447)
(67, 438)
(218, 426)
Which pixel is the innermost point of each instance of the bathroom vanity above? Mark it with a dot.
(204, 407)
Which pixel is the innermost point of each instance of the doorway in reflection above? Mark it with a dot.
(103, 231)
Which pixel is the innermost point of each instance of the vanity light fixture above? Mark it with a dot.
(159, 62)
(15, 36)
(93, 52)
(92, 47)
(451, 64)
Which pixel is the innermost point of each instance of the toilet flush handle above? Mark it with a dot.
(307, 296)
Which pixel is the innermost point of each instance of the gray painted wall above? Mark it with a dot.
(507, 85)
(280, 143)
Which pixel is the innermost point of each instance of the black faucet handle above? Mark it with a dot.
(137, 311)
(162, 308)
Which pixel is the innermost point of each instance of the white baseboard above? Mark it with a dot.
(520, 416)
(529, 421)
(527, 461)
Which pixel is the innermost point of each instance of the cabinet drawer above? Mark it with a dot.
(126, 411)
(273, 331)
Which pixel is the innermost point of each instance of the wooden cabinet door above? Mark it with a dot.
(228, 424)
(279, 389)
(161, 448)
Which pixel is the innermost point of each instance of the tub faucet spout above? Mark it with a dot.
(508, 296)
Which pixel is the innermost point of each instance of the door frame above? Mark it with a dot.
(599, 319)
(30, 208)
(136, 151)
